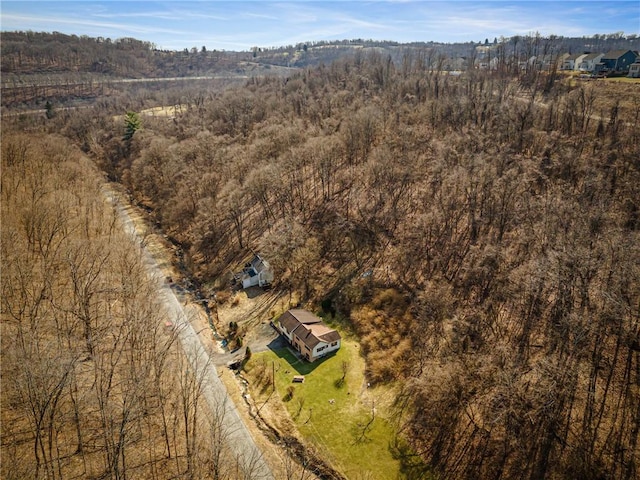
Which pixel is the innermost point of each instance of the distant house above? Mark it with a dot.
(634, 69)
(554, 62)
(616, 61)
(257, 272)
(550, 61)
(489, 63)
(589, 62)
(308, 334)
(572, 61)
(528, 64)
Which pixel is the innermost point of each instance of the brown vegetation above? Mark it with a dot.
(481, 239)
(504, 229)
(93, 384)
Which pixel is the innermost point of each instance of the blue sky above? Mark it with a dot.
(240, 25)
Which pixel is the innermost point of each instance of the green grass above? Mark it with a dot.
(333, 416)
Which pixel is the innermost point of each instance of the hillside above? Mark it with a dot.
(478, 233)
(94, 384)
(29, 53)
(67, 69)
(480, 238)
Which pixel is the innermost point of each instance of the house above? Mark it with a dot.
(554, 62)
(550, 61)
(489, 64)
(257, 272)
(308, 334)
(589, 62)
(634, 69)
(616, 61)
(528, 64)
(572, 61)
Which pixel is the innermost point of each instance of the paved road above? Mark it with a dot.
(220, 404)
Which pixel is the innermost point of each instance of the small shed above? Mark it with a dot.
(298, 379)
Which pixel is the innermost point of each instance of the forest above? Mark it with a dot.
(478, 234)
(94, 384)
(38, 66)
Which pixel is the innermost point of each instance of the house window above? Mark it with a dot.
(334, 344)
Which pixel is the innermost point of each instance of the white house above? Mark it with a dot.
(308, 334)
(634, 69)
(528, 64)
(489, 63)
(573, 61)
(258, 272)
(554, 61)
(589, 62)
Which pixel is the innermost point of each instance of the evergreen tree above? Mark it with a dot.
(132, 124)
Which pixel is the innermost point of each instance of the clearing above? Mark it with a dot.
(337, 412)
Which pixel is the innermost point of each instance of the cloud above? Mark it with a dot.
(261, 16)
(54, 23)
(242, 24)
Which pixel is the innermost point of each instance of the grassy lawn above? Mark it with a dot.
(331, 415)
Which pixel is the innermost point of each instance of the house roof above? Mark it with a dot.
(312, 335)
(304, 316)
(256, 266)
(308, 327)
(576, 56)
(613, 54)
(591, 56)
(292, 319)
(259, 264)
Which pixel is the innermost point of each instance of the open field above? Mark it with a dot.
(343, 420)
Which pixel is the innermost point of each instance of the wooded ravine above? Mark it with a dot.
(479, 234)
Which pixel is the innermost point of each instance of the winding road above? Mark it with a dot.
(221, 406)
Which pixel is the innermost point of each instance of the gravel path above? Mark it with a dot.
(220, 404)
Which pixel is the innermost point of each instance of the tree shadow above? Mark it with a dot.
(253, 292)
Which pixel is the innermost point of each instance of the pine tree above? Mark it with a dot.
(132, 124)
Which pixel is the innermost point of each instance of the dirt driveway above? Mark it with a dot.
(252, 310)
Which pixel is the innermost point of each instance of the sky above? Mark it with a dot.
(241, 25)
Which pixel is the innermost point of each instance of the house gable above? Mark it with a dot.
(573, 61)
(618, 60)
(308, 334)
(589, 62)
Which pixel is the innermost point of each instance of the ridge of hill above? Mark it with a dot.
(43, 53)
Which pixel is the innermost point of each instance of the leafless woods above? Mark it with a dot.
(478, 233)
(93, 383)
